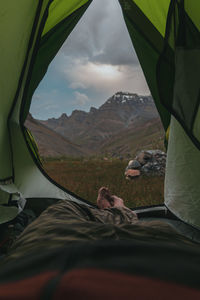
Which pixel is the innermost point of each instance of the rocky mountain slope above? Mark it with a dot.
(50, 143)
(125, 123)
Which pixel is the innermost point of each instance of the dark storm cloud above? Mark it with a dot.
(103, 37)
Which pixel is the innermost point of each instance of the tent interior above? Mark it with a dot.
(166, 38)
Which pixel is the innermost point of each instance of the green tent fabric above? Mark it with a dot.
(165, 35)
(179, 88)
(23, 34)
(182, 187)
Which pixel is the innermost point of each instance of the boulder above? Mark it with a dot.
(130, 174)
(133, 164)
(143, 157)
(148, 162)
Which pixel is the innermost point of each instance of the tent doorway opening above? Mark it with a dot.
(93, 112)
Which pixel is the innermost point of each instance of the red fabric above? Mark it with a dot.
(93, 284)
(26, 289)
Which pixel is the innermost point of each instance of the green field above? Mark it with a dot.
(85, 177)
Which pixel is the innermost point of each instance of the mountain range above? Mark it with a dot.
(124, 124)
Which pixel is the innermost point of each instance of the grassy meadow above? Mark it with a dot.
(85, 177)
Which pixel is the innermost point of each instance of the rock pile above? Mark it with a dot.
(149, 162)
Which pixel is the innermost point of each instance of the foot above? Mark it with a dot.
(117, 202)
(106, 200)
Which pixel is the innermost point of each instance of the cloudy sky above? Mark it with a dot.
(96, 61)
